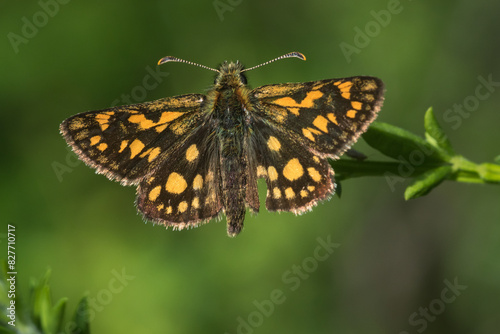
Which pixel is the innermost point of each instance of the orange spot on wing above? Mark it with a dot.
(321, 123)
(307, 102)
(154, 153)
(314, 174)
(196, 203)
(145, 153)
(293, 170)
(351, 113)
(169, 116)
(182, 206)
(345, 85)
(135, 148)
(332, 118)
(176, 184)
(102, 146)
(356, 105)
(289, 193)
(192, 153)
(103, 120)
(273, 144)
(198, 182)
(123, 145)
(272, 173)
(261, 171)
(308, 134)
(154, 193)
(144, 123)
(345, 89)
(94, 140)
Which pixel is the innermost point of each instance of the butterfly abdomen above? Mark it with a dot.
(230, 115)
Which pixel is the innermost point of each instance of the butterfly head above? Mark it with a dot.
(230, 75)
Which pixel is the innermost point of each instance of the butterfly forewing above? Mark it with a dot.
(127, 143)
(327, 116)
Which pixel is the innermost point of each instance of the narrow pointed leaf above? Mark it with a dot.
(81, 318)
(400, 144)
(57, 315)
(428, 181)
(45, 306)
(435, 134)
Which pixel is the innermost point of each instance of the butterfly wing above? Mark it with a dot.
(327, 115)
(296, 177)
(298, 125)
(127, 143)
(185, 190)
(166, 146)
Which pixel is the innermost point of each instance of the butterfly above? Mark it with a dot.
(196, 156)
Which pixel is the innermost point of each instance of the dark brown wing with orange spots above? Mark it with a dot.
(328, 115)
(127, 143)
(297, 126)
(296, 177)
(185, 190)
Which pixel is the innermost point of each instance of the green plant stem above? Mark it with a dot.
(463, 170)
(345, 168)
(467, 171)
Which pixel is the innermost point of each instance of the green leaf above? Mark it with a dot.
(338, 189)
(57, 315)
(347, 169)
(38, 296)
(44, 305)
(435, 135)
(428, 181)
(45, 316)
(39, 316)
(497, 159)
(81, 319)
(402, 145)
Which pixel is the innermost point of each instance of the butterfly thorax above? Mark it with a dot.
(230, 112)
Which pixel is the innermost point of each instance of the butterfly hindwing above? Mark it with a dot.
(184, 191)
(328, 115)
(126, 143)
(296, 177)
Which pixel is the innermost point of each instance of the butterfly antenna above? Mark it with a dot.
(170, 58)
(288, 55)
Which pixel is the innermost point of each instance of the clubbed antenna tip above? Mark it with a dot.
(294, 54)
(170, 58)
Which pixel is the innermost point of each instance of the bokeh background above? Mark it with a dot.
(393, 259)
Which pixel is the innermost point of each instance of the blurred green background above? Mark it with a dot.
(393, 258)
